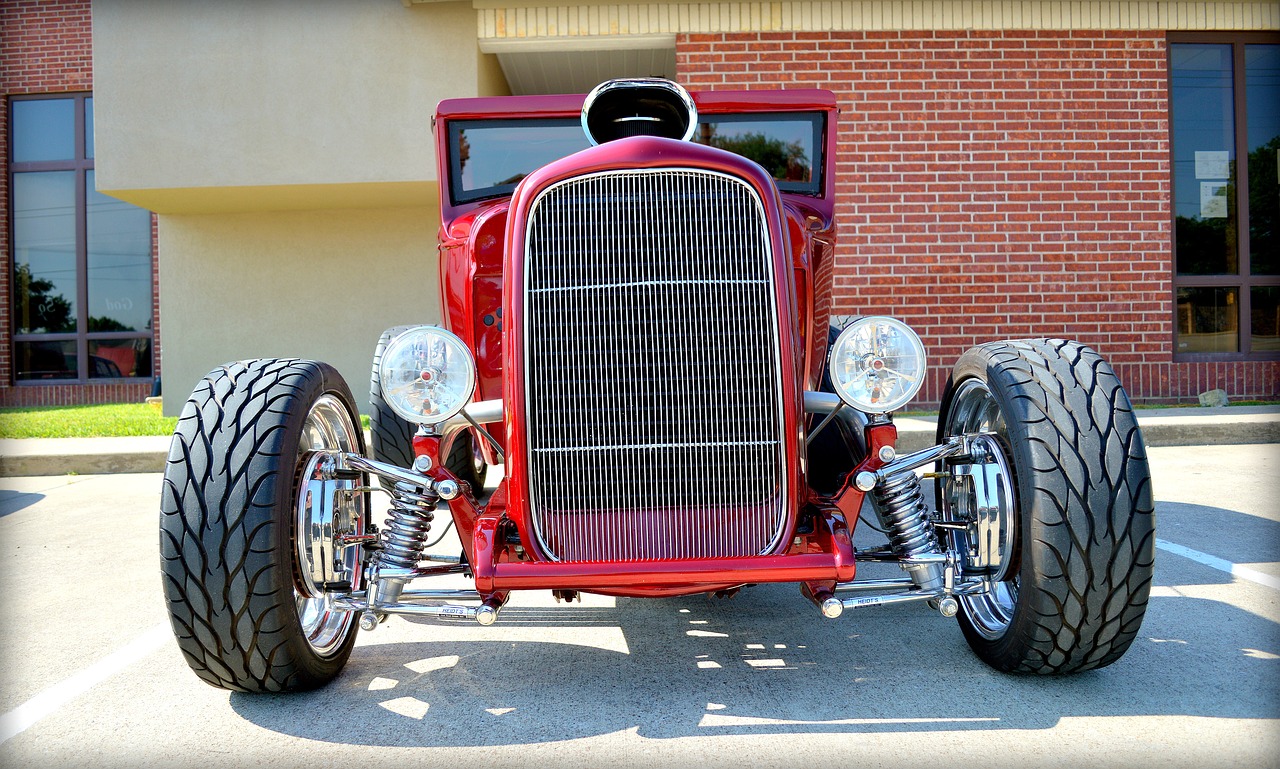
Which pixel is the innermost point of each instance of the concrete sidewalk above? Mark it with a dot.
(1160, 427)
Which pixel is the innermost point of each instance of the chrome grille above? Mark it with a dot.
(652, 384)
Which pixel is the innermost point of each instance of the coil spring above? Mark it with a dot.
(900, 503)
(411, 513)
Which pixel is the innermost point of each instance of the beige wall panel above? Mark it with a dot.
(307, 284)
(192, 93)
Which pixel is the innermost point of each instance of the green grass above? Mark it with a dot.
(113, 420)
(110, 421)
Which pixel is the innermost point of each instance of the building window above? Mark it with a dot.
(82, 287)
(1225, 101)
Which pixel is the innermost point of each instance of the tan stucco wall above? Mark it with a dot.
(228, 95)
(306, 284)
(287, 147)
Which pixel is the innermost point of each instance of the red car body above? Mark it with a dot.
(479, 281)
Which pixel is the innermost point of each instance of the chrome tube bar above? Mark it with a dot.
(392, 472)
(482, 412)
(874, 584)
(440, 594)
(439, 611)
(964, 588)
(820, 402)
(395, 573)
(954, 445)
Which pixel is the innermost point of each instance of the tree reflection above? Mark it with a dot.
(39, 309)
(785, 161)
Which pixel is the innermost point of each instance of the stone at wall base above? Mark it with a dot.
(1213, 398)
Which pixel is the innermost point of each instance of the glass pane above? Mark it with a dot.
(114, 358)
(1203, 159)
(1265, 324)
(1208, 320)
(44, 129)
(44, 252)
(1262, 105)
(44, 360)
(787, 146)
(489, 157)
(88, 127)
(119, 264)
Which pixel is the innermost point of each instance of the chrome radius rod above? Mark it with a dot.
(485, 613)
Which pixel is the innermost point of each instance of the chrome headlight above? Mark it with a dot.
(877, 364)
(427, 375)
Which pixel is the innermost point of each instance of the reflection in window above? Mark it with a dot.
(782, 144)
(1262, 88)
(44, 129)
(82, 293)
(1225, 193)
(489, 157)
(1204, 159)
(1207, 320)
(1265, 323)
(119, 264)
(37, 361)
(44, 252)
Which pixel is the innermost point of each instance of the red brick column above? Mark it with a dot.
(996, 185)
(46, 47)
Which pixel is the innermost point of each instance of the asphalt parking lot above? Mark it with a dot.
(91, 677)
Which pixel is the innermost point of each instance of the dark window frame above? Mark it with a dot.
(1242, 280)
(81, 165)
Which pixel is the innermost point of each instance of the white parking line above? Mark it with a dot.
(47, 702)
(1214, 562)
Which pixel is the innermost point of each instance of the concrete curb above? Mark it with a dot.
(1160, 427)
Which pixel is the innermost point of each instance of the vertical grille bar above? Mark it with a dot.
(653, 377)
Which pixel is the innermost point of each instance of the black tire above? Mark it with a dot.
(228, 519)
(392, 436)
(1076, 587)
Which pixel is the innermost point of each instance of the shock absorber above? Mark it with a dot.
(899, 503)
(410, 515)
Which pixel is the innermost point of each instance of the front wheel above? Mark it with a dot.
(234, 553)
(1058, 496)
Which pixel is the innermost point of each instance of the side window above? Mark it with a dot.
(82, 261)
(1225, 122)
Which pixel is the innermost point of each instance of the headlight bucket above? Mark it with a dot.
(427, 375)
(877, 364)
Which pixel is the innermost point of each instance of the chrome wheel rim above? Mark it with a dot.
(327, 427)
(974, 411)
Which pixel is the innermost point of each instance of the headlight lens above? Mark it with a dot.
(877, 364)
(427, 375)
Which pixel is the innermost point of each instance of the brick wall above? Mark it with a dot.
(46, 47)
(995, 185)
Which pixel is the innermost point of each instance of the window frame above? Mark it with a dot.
(1243, 280)
(81, 165)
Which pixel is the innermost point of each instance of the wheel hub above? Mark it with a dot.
(980, 494)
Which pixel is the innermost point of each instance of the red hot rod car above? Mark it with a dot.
(637, 296)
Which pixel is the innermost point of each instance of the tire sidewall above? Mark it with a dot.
(322, 380)
(977, 363)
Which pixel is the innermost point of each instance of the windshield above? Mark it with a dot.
(489, 157)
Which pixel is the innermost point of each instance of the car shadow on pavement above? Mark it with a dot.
(762, 663)
(14, 501)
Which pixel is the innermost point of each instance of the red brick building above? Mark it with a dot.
(46, 79)
(1022, 176)
(1102, 171)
